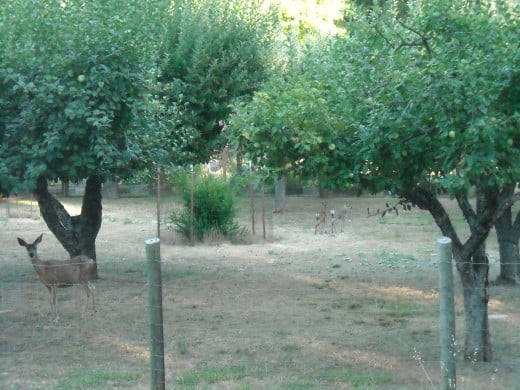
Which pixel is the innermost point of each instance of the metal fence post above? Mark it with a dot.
(155, 313)
(447, 315)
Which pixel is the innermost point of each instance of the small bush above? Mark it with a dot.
(213, 210)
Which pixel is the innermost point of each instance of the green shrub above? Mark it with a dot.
(213, 210)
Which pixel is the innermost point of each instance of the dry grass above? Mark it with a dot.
(356, 309)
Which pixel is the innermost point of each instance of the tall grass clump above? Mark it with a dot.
(213, 210)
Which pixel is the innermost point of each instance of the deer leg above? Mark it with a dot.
(85, 307)
(87, 292)
(91, 289)
(320, 226)
(53, 303)
(51, 300)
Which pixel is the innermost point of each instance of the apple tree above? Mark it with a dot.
(214, 53)
(293, 123)
(439, 121)
(422, 103)
(74, 77)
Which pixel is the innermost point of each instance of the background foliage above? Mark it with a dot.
(215, 52)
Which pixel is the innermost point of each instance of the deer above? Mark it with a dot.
(321, 219)
(61, 273)
(339, 215)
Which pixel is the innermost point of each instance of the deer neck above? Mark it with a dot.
(36, 262)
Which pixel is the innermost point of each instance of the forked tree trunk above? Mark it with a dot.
(474, 276)
(77, 234)
(472, 263)
(508, 234)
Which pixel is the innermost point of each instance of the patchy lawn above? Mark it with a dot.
(351, 310)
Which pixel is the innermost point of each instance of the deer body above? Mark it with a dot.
(340, 215)
(61, 273)
(321, 219)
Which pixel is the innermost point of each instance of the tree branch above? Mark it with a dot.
(422, 42)
(505, 203)
(481, 224)
(58, 220)
(467, 209)
(427, 200)
(383, 36)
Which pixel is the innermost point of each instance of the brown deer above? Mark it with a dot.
(321, 219)
(340, 215)
(61, 273)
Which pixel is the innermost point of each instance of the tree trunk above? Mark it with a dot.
(77, 234)
(240, 170)
(508, 234)
(324, 193)
(474, 276)
(224, 158)
(280, 191)
(65, 188)
(472, 263)
(111, 188)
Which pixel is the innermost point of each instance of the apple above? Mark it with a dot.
(81, 78)
(452, 134)
(332, 147)
(510, 142)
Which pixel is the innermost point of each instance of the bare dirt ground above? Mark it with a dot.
(356, 309)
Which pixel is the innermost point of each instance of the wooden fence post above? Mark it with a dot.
(192, 206)
(252, 199)
(155, 313)
(447, 315)
(158, 202)
(263, 211)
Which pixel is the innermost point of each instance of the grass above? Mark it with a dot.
(396, 260)
(358, 380)
(397, 308)
(407, 219)
(298, 385)
(182, 347)
(301, 312)
(212, 375)
(97, 379)
(169, 274)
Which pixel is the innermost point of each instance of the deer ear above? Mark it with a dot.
(38, 240)
(21, 241)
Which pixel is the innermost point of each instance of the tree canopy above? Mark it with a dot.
(294, 121)
(215, 53)
(73, 77)
(432, 95)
